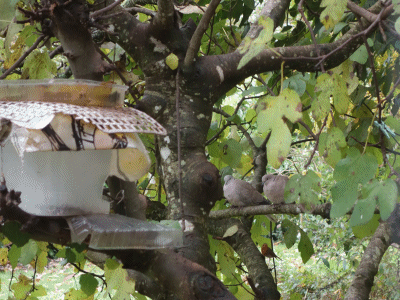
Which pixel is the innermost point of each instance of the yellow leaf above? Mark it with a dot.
(172, 61)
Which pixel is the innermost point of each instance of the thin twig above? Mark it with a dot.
(101, 277)
(302, 141)
(194, 44)
(23, 56)
(134, 95)
(316, 144)
(142, 10)
(308, 129)
(105, 9)
(301, 11)
(216, 136)
(56, 51)
(240, 127)
(356, 36)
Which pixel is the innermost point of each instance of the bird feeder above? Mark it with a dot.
(67, 136)
(60, 139)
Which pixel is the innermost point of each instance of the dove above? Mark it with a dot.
(274, 187)
(241, 193)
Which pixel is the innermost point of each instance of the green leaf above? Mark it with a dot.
(326, 262)
(13, 255)
(331, 86)
(305, 247)
(251, 48)
(304, 188)
(368, 229)
(74, 294)
(226, 259)
(250, 115)
(344, 195)
(7, 12)
(290, 235)
(279, 146)
(333, 12)
(387, 198)
(12, 232)
(297, 83)
(39, 291)
(272, 114)
(363, 211)
(254, 90)
(354, 170)
(41, 262)
(28, 252)
(330, 145)
(397, 25)
(360, 55)
(88, 284)
(356, 167)
(22, 287)
(117, 278)
(260, 230)
(38, 65)
(230, 152)
(296, 296)
(254, 50)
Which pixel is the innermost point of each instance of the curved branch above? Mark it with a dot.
(369, 265)
(99, 12)
(195, 41)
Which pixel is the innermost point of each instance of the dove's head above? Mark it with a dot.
(227, 178)
(267, 177)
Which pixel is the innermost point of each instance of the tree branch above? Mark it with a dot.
(301, 58)
(369, 265)
(322, 210)
(245, 247)
(272, 9)
(195, 41)
(99, 12)
(164, 19)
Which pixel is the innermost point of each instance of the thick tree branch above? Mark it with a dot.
(369, 265)
(164, 18)
(244, 246)
(322, 210)
(130, 31)
(79, 48)
(272, 9)
(195, 41)
(301, 58)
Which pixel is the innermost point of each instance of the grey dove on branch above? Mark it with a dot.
(274, 187)
(241, 193)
